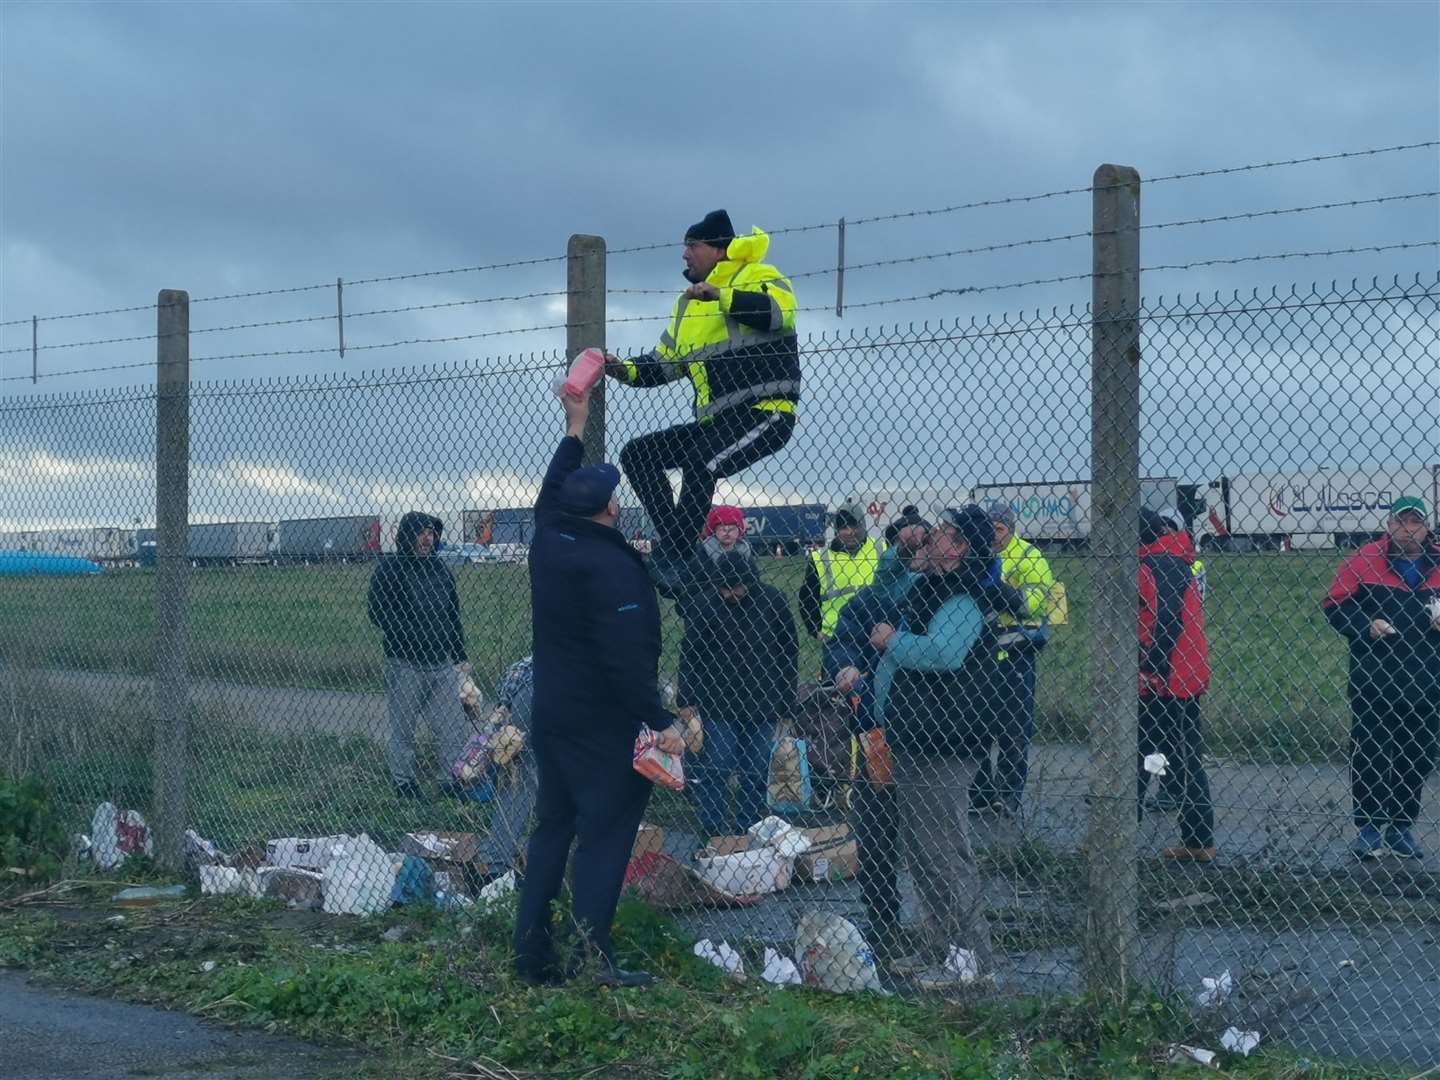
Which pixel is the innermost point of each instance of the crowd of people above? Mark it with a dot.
(933, 633)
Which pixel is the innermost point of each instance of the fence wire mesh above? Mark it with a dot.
(1281, 887)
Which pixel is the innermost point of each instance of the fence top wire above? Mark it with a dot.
(1258, 300)
(913, 298)
(782, 230)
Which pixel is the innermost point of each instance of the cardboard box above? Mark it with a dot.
(725, 845)
(834, 855)
(649, 838)
(304, 852)
(299, 888)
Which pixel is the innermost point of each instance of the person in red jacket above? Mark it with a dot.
(1174, 676)
(1385, 600)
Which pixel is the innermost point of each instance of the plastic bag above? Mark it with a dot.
(755, 872)
(474, 760)
(779, 834)
(359, 879)
(657, 766)
(722, 956)
(780, 970)
(834, 955)
(789, 790)
(115, 835)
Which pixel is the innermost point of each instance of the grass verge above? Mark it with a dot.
(441, 996)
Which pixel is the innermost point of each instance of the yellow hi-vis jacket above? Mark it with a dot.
(1023, 566)
(739, 350)
(841, 576)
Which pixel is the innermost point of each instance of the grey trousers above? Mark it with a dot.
(432, 693)
(932, 802)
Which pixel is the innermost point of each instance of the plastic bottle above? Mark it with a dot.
(585, 372)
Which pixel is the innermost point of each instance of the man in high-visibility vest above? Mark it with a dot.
(837, 572)
(732, 334)
(999, 787)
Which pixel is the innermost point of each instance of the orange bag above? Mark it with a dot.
(877, 757)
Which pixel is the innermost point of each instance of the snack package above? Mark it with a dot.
(656, 765)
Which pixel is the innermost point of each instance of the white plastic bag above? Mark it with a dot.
(746, 873)
(834, 955)
(1156, 764)
(1215, 991)
(358, 879)
(963, 964)
(780, 970)
(227, 881)
(498, 889)
(722, 956)
(777, 833)
(1240, 1042)
(115, 834)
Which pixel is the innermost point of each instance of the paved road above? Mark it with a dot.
(53, 1035)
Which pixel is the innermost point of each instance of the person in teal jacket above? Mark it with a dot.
(935, 688)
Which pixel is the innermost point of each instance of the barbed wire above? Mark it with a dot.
(291, 322)
(888, 301)
(1072, 322)
(783, 230)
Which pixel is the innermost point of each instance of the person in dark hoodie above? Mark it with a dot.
(737, 671)
(1174, 676)
(596, 657)
(936, 690)
(1385, 600)
(413, 601)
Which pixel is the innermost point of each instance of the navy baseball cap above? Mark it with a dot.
(587, 491)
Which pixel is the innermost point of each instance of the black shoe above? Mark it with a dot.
(619, 978)
(544, 977)
(408, 789)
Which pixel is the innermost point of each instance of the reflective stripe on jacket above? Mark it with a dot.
(841, 576)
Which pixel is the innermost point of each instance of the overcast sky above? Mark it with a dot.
(225, 148)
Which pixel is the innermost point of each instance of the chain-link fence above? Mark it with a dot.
(898, 646)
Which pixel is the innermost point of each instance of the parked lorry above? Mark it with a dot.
(1319, 508)
(217, 543)
(330, 539)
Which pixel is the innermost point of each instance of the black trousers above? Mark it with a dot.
(877, 837)
(733, 441)
(1171, 726)
(1392, 752)
(590, 794)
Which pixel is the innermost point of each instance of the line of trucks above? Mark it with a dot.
(1244, 512)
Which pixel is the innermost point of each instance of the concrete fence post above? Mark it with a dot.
(585, 321)
(172, 575)
(1112, 920)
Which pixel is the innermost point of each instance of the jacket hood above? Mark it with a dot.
(1178, 544)
(411, 526)
(742, 250)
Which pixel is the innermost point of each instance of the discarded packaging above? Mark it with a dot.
(647, 838)
(201, 852)
(144, 895)
(1240, 1042)
(1215, 991)
(665, 885)
(358, 879)
(305, 852)
(780, 970)
(963, 964)
(1180, 1054)
(227, 881)
(834, 855)
(722, 956)
(115, 835)
(498, 889)
(414, 881)
(754, 872)
(779, 834)
(509, 741)
(299, 888)
(834, 955)
(1156, 764)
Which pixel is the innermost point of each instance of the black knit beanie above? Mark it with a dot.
(713, 229)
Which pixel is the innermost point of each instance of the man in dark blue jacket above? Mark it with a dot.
(596, 659)
(412, 600)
